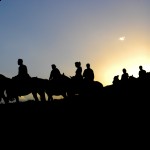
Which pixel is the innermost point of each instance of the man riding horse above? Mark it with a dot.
(22, 71)
(22, 84)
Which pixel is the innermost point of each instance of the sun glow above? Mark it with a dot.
(130, 60)
(122, 38)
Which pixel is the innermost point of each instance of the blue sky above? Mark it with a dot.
(43, 32)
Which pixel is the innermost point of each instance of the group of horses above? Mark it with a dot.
(132, 89)
(11, 89)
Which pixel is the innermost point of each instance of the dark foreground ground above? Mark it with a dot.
(109, 119)
(111, 122)
(80, 107)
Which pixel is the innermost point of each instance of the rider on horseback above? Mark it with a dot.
(55, 73)
(22, 71)
(55, 81)
(88, 73)
(142, 73)
(78, 73)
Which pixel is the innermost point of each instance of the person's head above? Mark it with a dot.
(20, 61)
(140, 67)
(88, 65)
(124, 70)
(53, 66)
(77, 64)
(116, 77)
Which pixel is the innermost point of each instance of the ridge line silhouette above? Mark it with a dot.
(80, 85)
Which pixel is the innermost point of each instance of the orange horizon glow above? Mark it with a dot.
(130, 55)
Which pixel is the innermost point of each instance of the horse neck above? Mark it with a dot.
(65, 77)
(2, 76)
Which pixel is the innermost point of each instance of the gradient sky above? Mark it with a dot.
(108, 34)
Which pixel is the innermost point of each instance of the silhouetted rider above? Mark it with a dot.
(125, 81)
(55, 73)
(116, 80)
(125, 75)
(22, 71)
(78, 73)
(142, 73)
(88, 73)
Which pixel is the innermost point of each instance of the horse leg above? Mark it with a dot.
(17, 99)
(35, 96)
(2, 96)
(50, 97)
(42, 96)
(6, 100)
(64, 95)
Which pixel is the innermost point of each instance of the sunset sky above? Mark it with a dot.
(108, 34)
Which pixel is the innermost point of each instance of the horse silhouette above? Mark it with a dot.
(57, 87)
(15, 88)
(134, 88)
(70, 87)
(2, 88)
